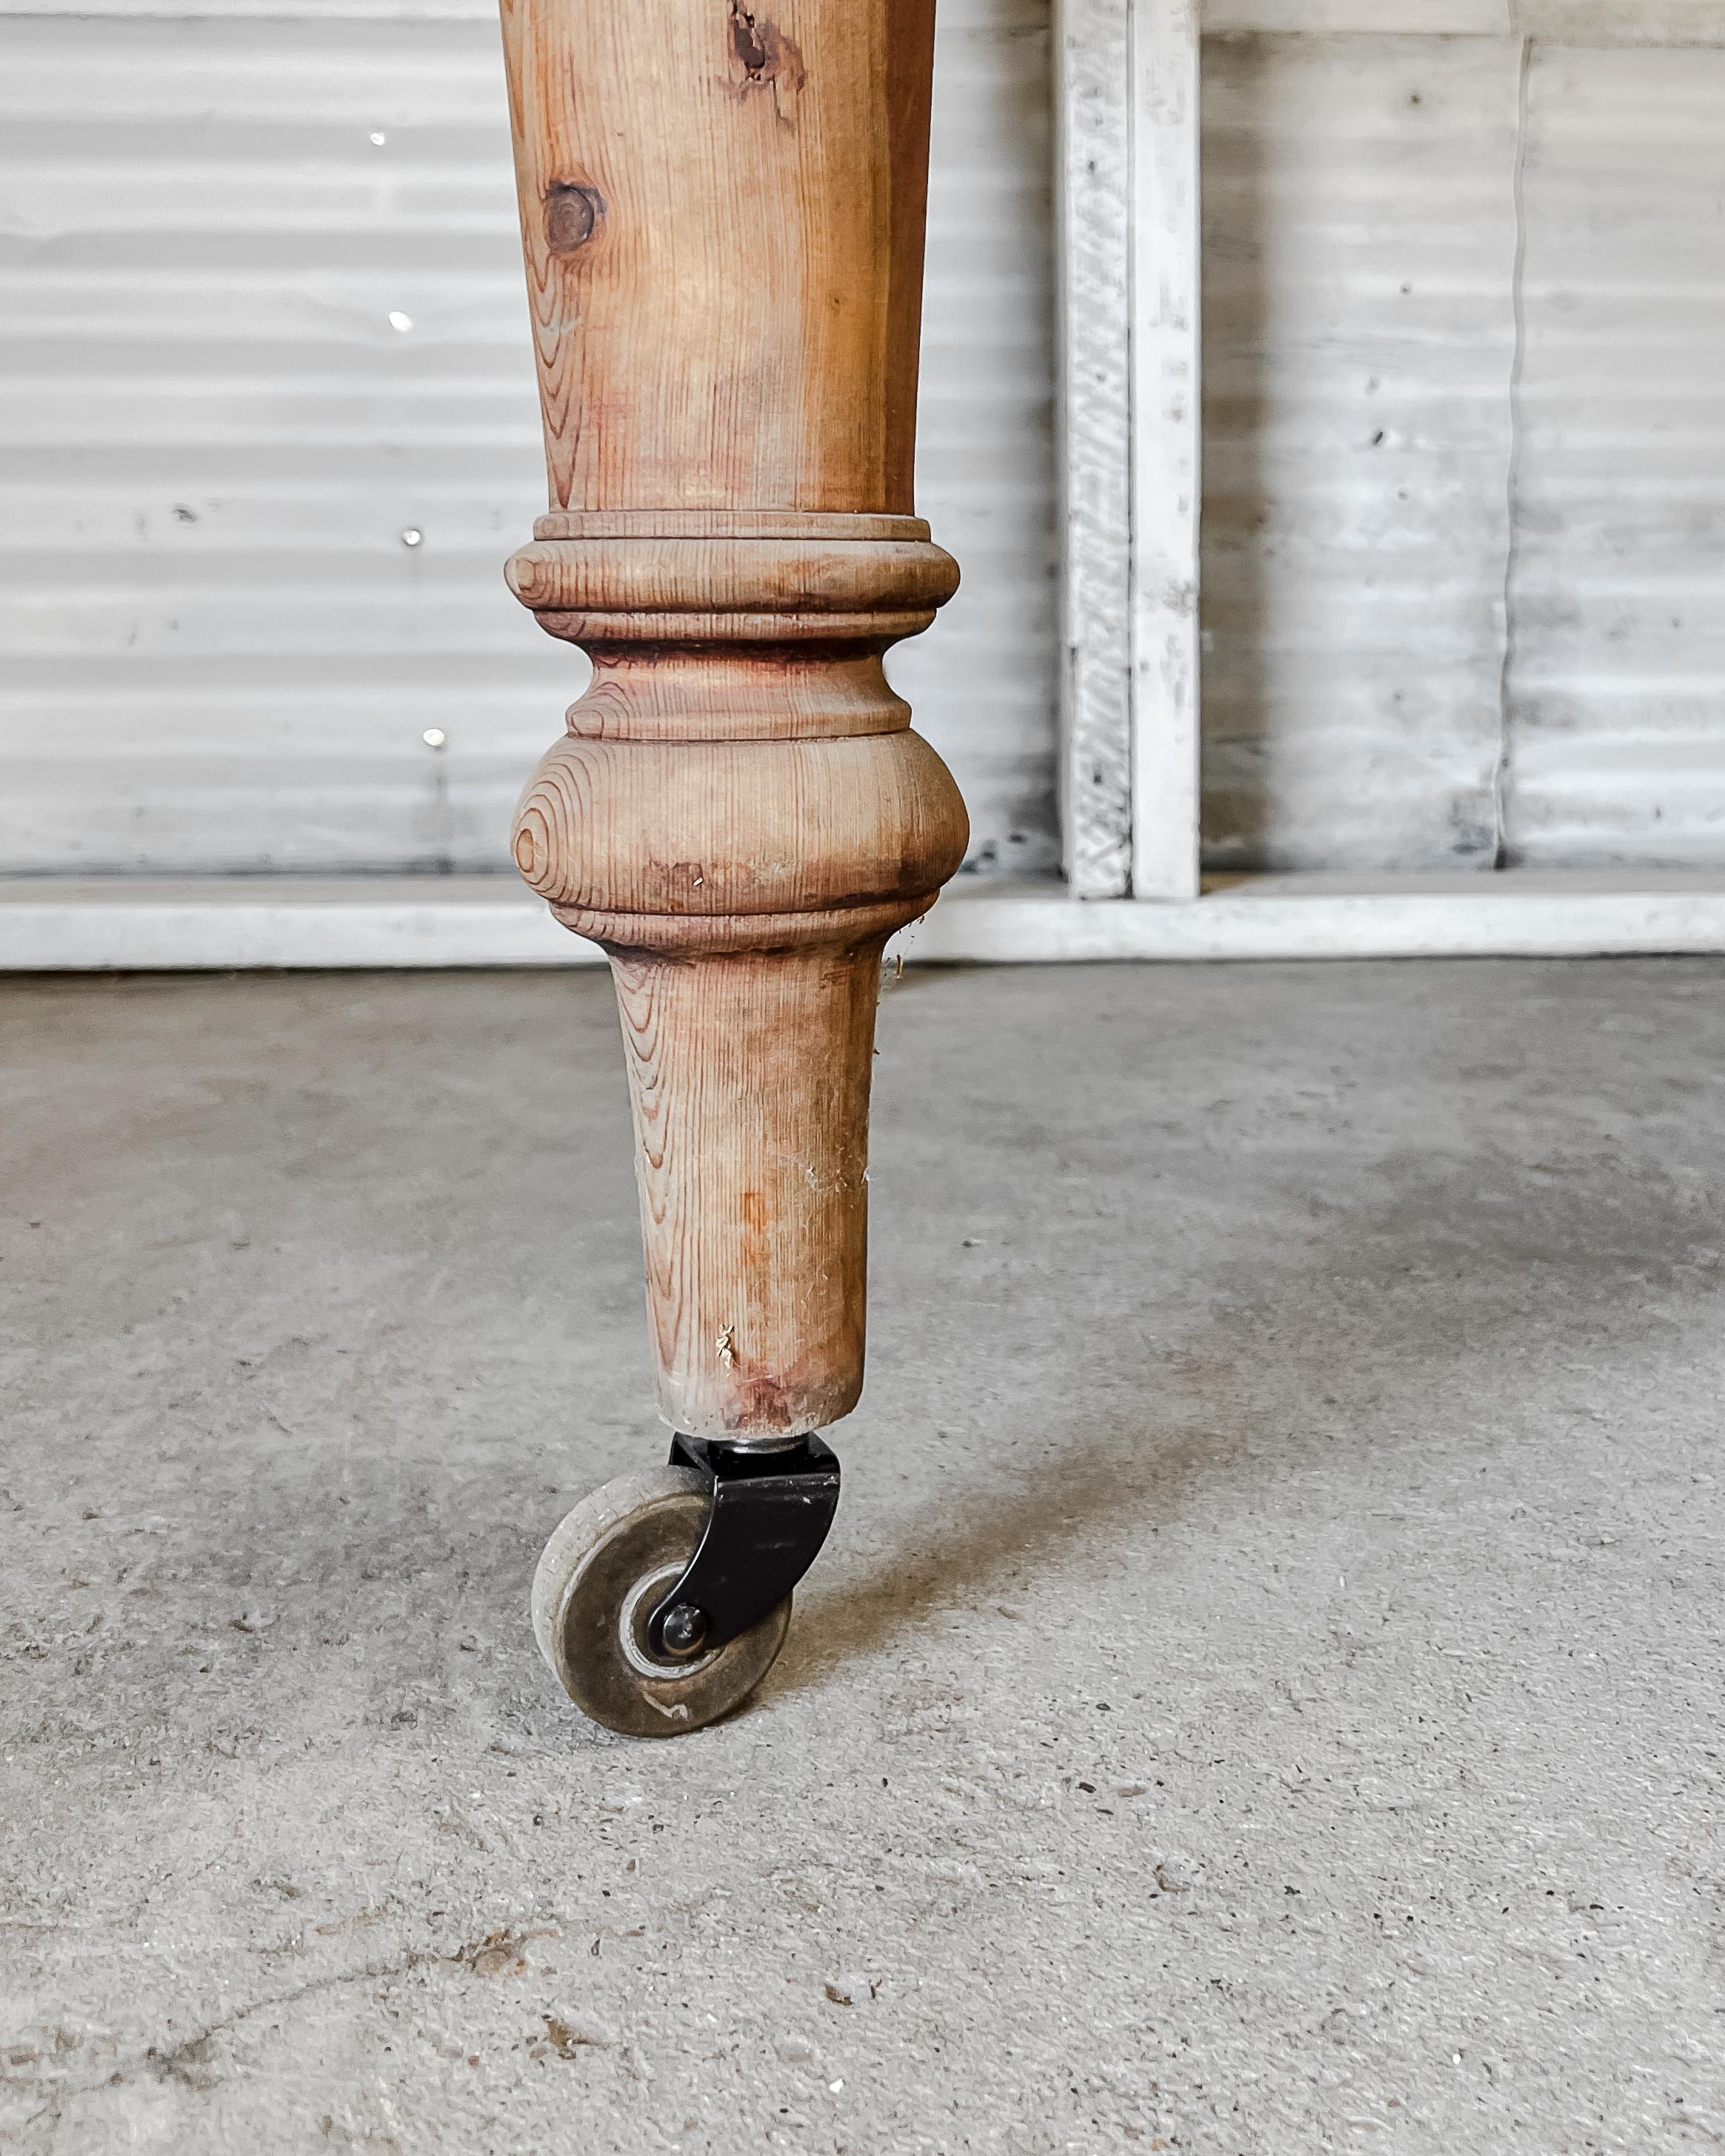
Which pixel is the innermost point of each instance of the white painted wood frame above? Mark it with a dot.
(1126, 75)
(223, 922)
(1126, 216)
(1164, 328)
(1127, 95)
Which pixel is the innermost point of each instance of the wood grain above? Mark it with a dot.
(750, 1083)
(723, 220)
(734, 324)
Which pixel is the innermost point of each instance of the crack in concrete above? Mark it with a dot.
(187, 2062)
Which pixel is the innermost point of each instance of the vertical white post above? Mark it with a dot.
(1166, 315)
(1093, 89)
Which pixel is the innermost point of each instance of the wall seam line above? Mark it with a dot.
(1511, 477)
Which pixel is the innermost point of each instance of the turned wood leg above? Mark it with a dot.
(722, 217)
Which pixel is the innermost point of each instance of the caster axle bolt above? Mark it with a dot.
(683, 1628)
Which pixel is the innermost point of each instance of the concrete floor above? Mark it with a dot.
(1264, 1692)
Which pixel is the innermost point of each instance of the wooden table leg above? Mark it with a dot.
(722, 215)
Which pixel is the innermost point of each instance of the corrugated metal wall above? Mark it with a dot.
(1359, 238)
(1465, 505)
(1465, 499)
(1616, 750)
(263, 323)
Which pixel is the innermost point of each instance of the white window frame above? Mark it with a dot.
(1126, 93)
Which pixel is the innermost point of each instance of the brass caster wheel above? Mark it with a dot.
(605, 1571)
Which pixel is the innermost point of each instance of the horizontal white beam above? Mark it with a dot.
(151, 924)
(1320, 917)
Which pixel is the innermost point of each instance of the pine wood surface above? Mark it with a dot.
(722, 220)
(722, 216)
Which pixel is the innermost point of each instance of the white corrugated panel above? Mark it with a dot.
(1617, 675)
(1445, 18)
(219, 651)
(1360, 245)
(1555, 21)
(982, 681)
(1442, 635)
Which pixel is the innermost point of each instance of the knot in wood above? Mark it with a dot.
(572, 211)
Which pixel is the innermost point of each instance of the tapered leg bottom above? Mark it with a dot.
(749, 1076)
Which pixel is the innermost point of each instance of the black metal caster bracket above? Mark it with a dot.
(769, 1516)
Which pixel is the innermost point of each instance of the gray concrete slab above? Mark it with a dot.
(1264, 1692)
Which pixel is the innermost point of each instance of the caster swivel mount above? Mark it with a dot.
(663, 1600)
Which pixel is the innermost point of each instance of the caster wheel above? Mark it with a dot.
(603, 1574)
